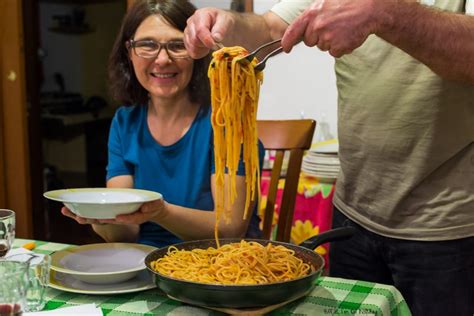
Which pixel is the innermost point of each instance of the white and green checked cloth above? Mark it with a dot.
(332, 296)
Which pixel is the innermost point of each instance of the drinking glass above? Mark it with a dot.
(7, 230)
(37, 277)
(13, 287)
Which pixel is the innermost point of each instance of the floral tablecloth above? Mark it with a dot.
(313, 208)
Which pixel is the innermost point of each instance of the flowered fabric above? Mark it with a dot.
(313, 208)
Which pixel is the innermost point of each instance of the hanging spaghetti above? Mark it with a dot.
(235, 90)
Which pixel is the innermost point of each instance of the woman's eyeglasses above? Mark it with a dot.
(151, 49)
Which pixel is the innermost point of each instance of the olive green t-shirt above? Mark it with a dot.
(406, 140)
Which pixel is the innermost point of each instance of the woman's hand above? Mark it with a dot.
(147, 212)
(81, 220)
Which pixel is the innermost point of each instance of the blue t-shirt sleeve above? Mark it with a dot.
(117, 166)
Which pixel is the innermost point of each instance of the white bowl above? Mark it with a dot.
(105, 263)
(102, 203)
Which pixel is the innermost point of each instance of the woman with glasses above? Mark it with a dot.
(162, 139)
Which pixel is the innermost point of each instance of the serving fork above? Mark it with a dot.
(261, 65)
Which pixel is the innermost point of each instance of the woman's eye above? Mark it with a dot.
(147, 45)
(176, 46)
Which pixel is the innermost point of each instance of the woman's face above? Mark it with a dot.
(164, 76)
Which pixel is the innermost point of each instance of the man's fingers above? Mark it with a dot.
(294, 33)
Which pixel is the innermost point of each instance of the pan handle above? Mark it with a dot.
(336, 234)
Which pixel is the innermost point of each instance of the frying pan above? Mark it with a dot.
(243, 296)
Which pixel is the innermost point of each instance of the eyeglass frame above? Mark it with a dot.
(130, 44)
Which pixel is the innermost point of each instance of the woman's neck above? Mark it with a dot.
(169, 120)
(169, 110)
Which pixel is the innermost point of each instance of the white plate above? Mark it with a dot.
(102, 263)
(333, 161)
(325, 168)
(326, 148)
(102, 203)
(65, 282)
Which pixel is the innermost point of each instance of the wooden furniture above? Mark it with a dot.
(294, 136)
(14, 145)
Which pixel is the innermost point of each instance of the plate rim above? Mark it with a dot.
(148, 195)
(57, 286)
(326, 148)
(58, 255)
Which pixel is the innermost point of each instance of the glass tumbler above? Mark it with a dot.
(13, 287)
(7, 230)
(38, 266)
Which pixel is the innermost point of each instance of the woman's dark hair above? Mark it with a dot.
(123, 83)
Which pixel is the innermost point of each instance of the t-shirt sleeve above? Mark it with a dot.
(117, 166)
(289, 10)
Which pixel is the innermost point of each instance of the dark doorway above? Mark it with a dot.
(69, 109)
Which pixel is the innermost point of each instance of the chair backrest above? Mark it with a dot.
(294, 136)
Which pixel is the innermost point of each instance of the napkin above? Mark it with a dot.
(17, 251)
(79, 310)
(23, 255)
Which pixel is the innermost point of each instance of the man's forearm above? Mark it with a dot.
(441, 40)
(251, 30)
(248, 30)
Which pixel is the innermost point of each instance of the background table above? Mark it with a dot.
(331, 296)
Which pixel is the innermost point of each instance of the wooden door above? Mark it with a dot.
(14, 151)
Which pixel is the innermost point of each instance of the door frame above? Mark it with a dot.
(14, 150)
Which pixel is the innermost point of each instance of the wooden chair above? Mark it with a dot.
(294, 136)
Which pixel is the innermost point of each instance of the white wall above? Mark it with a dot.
(301, 84)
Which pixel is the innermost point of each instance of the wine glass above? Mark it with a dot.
(7, 230)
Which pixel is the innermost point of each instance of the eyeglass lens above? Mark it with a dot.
(151, 49)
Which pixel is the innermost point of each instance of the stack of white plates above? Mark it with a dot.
(108, 268)
(322, 162)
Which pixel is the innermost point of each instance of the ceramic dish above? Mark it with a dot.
(326, 148)
(105, 263)
(65, 282)
(102, 203)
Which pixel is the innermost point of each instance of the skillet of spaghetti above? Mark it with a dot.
(249, 295)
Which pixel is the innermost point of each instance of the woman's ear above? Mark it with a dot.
(128, 47)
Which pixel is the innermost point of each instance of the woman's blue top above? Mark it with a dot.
(181, 172)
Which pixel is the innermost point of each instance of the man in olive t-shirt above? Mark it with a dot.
(405, 79)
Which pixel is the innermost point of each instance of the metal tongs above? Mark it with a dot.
(261, 65)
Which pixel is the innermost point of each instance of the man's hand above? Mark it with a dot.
(337, 26)
(205, 28)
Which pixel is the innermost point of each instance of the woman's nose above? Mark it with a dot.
(162, 57)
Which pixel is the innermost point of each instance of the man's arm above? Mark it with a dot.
(443, 41)
(209, 26)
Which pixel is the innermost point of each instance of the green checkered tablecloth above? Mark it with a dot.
(332, 296)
